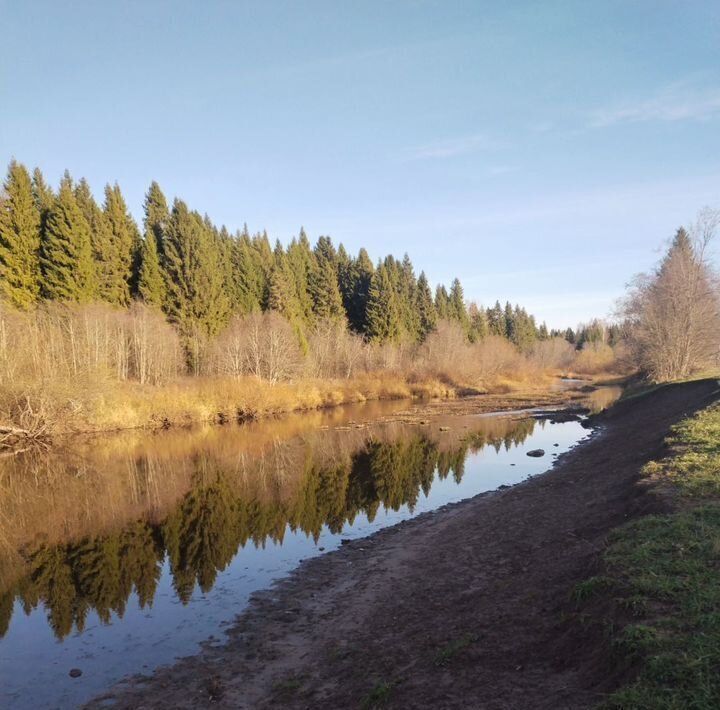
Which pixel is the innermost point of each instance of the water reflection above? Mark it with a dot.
(82, 532)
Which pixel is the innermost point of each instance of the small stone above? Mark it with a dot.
(444, 428)
(75, 673)
(536, 453)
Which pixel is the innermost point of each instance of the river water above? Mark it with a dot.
(121, 553)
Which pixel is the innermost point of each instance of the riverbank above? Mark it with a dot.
(656, 596)
(97, 406)
(468, 607)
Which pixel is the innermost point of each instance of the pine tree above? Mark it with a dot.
(19, 240)
(424, 306)
(66, 251)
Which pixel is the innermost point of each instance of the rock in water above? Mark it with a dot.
(537, 453)
(75, 673)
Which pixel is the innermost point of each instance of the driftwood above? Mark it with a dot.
(14, 439)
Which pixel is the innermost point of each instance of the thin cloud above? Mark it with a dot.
(676, 103)
(451, 148)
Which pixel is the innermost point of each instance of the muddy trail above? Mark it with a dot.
(467, 607)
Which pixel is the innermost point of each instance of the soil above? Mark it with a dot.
(467, 607)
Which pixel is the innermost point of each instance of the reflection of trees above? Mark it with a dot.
(220, 514)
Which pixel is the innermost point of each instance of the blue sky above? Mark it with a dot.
(541, 151)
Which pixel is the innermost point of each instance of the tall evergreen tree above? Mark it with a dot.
(282, 294)
(323, 282)
(249, 281)
(152, 286)
(66, 251)
(442, 302)
(424, 306)
(479, 327)
(195, 284)
(119, 254)
(458, 310)
(383, 318)
(496, 320)
(301, 261)
(361, 273)
(151, 283)
(19, 240)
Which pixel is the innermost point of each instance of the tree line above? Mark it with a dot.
(64, 246)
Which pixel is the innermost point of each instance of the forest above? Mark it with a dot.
(89, 300)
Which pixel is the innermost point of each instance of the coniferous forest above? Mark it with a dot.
(86, 291)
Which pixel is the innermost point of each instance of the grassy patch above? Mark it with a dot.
(378, 696)
(448, 652)
(694, 467)
(663, 572)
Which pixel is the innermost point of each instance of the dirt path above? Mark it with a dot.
(462, 608)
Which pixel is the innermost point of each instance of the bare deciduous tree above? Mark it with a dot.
(673, 315)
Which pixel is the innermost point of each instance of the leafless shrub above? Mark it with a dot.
(63, 341)
(261, 344)
(333, 351)
(552, 354)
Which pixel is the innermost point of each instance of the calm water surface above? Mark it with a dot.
(121, 553)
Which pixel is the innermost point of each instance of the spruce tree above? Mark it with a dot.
(362, 271)
(442, 302)
(157, 215)
(151, 283)
(424, 306)
(407, 294)
(282, 295)
(478, 322)
(195, 285)
(457, 308)
(496, 320)
(301, 261)
(66, 258)
(249, 287)
(323, 283)
(118, 256)
(19, 240)
(383, 319)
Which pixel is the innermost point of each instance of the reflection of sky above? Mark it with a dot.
(34, 666)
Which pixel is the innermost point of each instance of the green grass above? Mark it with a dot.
(448, 652)
(694, 467)
(662, 573)
(378, 696)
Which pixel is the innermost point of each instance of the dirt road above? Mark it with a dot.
(467, 607)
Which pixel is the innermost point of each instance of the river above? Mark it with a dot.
(121, 553)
